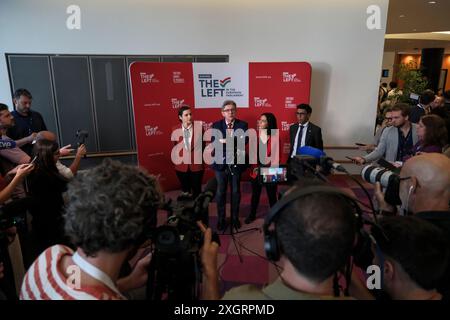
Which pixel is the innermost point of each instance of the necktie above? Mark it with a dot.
(186, 139)
(299, 139)
(230, 129)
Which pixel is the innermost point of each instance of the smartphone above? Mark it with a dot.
(360, 144)
(350, 158)
(34, 159)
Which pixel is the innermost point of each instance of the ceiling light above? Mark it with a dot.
(442, 32)
(432, 2)
(402, 16)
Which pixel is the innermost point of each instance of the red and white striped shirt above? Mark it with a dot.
(46, 281)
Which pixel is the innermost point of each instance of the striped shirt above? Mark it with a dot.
(46, 281)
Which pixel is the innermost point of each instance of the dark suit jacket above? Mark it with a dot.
(221, 125)
(415, 113)
(196, 144)
(313, 136)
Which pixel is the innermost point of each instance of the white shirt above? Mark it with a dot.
(302, 140)
(230, 131)
(64, 171)
(187, 144)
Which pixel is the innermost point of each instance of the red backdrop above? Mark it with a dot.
(159, 89)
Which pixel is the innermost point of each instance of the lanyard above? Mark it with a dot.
(95, 272)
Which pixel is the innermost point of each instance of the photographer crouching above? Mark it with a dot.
(109, 207)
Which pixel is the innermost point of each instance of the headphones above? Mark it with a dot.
(271, 242)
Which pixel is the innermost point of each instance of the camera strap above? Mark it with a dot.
(95, 272)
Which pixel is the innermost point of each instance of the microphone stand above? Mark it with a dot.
(232, 232)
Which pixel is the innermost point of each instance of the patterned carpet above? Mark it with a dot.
(251, 265)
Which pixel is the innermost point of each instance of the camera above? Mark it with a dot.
(175, 270)
(388, 179)
(82, 136)
(272, 175)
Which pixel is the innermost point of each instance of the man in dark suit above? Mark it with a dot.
(228, 168)
(304, 133)
(27, 122)
(423, 107)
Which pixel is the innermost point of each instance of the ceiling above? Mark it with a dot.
(417, 16)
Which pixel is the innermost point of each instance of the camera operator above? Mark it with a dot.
(425, 192)
(314, 231)
(109, 208)
(66, 172)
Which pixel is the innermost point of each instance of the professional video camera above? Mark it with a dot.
(175, 270)
(11, 215)
(387, 175)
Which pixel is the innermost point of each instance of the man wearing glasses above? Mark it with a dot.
(228, 168)
(304, 133)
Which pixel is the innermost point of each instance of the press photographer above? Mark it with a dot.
(109, 206)
(424, 190)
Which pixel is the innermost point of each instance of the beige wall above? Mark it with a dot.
(346, 56)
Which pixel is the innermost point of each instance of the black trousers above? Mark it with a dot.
(223, 177)
(271, 190)
(191, 181)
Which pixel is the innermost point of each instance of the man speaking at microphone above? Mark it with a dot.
(228, 168)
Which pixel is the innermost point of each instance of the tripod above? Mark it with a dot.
(234, 232)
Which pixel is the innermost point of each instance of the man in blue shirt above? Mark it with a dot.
(28, 122)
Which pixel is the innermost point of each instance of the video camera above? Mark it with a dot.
(175, 270)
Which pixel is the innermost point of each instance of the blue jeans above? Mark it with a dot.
(222, 178)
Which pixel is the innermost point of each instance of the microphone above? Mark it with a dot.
(328, 163)
(325, 162)
(7, 144)
(310, 151)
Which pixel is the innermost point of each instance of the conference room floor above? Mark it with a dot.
(250, 265)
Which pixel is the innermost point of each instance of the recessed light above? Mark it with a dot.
(402, 16)
(414, 29)
(432, 2)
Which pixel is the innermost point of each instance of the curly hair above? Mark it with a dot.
(109, 207)
(436, 131)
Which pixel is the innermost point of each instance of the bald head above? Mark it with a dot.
(431, 182)
(46, 135)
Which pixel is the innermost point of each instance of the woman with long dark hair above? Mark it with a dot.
(46, 187)
(267, 125)
(431, 135)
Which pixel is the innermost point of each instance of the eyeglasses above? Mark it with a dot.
(301, 113)
(229, 110)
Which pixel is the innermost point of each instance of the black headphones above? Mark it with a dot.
(271, 243)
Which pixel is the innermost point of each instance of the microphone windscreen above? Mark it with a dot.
(310, 151)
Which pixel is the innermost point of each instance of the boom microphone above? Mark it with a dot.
(7, 144)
